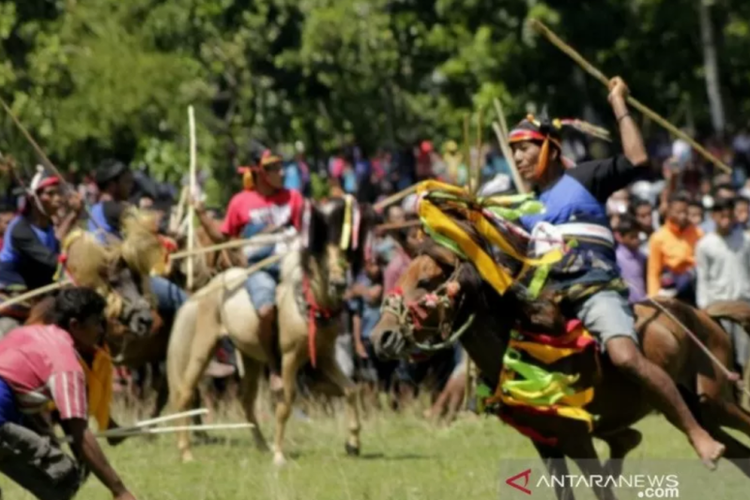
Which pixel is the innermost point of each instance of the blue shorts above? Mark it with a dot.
(261, 285)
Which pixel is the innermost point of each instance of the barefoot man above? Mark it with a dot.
(575, 201)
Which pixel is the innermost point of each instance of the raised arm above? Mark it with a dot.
(654, 267)
(632, 142)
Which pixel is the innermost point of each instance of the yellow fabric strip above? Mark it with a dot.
(545, 353)
(99, 385)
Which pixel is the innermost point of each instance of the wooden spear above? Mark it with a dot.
(593, 71)
(191, 208)
(501, 131)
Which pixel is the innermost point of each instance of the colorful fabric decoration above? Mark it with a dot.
(527, 385)
(446, 232)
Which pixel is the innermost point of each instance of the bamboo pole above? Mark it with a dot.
(501, 131)
(259, 240)
(174, 416)
(191, 208)
(33, 293)
(593, 71)
(394, 198)
(245, 273)
(47, 162)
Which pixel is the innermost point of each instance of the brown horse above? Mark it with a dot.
(618, 401)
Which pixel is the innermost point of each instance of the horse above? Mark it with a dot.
(442, 293)
(310, 294)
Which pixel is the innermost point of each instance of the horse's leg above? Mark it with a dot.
(581, 450)
(554, 461)
(248, 394)
(331, 370)
(620, 444)
(290, 363)
(201, 352)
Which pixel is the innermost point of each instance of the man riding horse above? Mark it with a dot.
(575, 209)
(264, 205)
(29, 257)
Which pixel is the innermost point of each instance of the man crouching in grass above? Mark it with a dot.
(40, 364)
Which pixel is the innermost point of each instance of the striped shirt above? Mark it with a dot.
(40, 365)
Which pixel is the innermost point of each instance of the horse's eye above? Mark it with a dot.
(424, 283)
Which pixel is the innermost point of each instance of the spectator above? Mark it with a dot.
(742, 211)
(671, 259)
(643, 213)
(6, 215)
(696, 213)
(630, 259)
(721, 191)
(407, 241)
(723, 268)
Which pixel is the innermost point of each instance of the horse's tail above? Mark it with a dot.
(736, 311)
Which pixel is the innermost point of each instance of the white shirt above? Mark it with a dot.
(723, 266)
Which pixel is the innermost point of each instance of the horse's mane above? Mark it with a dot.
(540, 313)
(140, 249)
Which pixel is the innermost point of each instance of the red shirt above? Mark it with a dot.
(40, 364)
(250, 212)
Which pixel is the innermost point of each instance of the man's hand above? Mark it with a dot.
(617, 89)
(360, 348)
(196, 204)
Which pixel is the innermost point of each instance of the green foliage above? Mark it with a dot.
(98, 78)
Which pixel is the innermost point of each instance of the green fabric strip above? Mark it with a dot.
(540, 387)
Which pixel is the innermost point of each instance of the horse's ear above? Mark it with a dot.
(315, 229)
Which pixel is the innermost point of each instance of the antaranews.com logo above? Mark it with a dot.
(644, 485)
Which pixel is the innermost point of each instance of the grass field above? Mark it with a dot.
(403, 457)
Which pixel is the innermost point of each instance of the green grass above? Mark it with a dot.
(403, 457)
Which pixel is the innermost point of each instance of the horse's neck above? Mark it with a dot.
(484, 343)
(317, 279)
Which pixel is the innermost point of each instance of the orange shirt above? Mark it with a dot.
(670, 249)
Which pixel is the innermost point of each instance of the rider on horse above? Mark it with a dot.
(575, 201)
(264, 205)
(115, 181)
(29, 256)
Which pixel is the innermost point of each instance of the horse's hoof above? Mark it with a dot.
(187, 458)
(279, 460)
(351, 450)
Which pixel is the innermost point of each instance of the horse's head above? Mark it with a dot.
(337, 233)
(119, 273)
(430, 303)
(439, 297)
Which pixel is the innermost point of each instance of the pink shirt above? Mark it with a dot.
(395, 268)
(40, 364)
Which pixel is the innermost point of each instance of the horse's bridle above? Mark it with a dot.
(410, 314)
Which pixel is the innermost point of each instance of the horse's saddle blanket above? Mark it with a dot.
(546, 378)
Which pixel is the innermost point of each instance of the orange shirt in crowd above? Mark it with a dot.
(670, 249)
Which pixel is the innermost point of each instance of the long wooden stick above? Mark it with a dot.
(394, 198)
(258, 240)
(191, 208)
(174, 416)
(593, 71)
(33, 293)
(245, 273)
(501, 131)
(46, 160)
